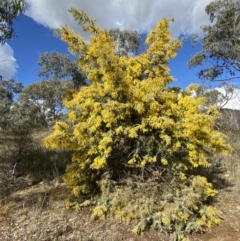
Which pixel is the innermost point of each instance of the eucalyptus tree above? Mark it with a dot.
(59, 66)
(43, 101)
(219, 59)
(9, 10)
(8, 88)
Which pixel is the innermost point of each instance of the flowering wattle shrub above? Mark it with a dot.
(135, 140)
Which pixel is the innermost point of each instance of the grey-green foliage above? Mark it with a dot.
(43, 101)
(15, 134)
(219, 59)
(8, 88)
(9, 10)
(60, 67)
(217, 97)
(128, 41)
(23, 113)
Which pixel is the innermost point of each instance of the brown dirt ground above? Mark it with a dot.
(37, 213)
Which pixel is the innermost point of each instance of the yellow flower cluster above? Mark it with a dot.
(128, 115)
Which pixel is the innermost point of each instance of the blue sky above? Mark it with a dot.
(35, 35)
(32, 40)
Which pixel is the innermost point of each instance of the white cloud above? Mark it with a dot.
(8, 65)
(141, 15)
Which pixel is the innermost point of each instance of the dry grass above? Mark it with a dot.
(37, 212)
